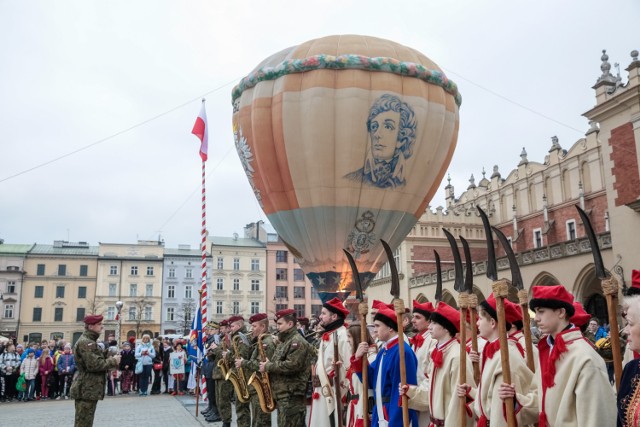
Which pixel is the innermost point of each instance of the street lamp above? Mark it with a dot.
(119, 305)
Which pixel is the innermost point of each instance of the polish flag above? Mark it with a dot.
(201, 131)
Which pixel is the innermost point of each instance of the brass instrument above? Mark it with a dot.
(238, 379)
(222, 363)
(260, 381)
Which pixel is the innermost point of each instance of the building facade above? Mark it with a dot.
(11, 276)
(182, 280)
(58, 290)
(238, 273)
(287, 285)
(132, 274)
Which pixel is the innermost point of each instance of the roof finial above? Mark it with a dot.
(605, 66)
(472, 182)
(634, 55)
(555, 145)
(496, 172)
(523, 157)
(483, 173)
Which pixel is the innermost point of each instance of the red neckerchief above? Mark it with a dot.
(417, 340)
(490, 350)
(548, 358)
(513, 339)
(437, 355)
(391, 343)
(636, 355)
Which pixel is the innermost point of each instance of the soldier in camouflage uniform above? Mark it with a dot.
(259, 325)
(289, 371)
(92, 364)
(237, 328)
(224, 389)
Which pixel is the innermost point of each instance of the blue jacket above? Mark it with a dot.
(147, 359)
(66, 364)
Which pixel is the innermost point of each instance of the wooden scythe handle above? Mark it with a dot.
(462, 376)
(610, 288)
(364, 395)
(500, 291)
(398, 304)
(523, 299)
(473, 303)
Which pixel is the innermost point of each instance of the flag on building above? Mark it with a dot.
(200, 129)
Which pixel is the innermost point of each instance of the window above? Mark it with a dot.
(281, 256)
(298, 292)
(171, 291)
(37, 314)
(172, 273)
(281, 292)
(149, 271)
(148, 313)
(571, 229)
(537, 238)
(236, 264)
(255, 284)
(255, 307)
(236, 284)
(281, 307)
(8, 311)
(188, 291)
(82, 292)
(60, 291)
(170, 314)
(149, 290)
(80, 313)
(134, 270)
(84, 270)
(40, 270)
(39, 292)
(188, 314)
(236, 307)
(218, 307)
(188, 274)
(34, 337)
(111, 313)
(57, 316)
(113, 270)
(62, 270)
(298, 275)
(299, 308)
(316, 309)
(112, 289)
(314, 294)
(132, 313)
(219, 284)
(133, 290)
(281, 274)
(255, 265)
(11, 287)
(220, 263)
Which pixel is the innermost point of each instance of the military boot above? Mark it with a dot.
(213, 418)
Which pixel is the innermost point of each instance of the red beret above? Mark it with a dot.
(303, 320)
(257, 317)
(224, 322)
(580, 317)
(285, 312)
(552, 297)
(635, 278)
(235, 318)
(511, 313)
(425, 308)
(92, 319)
(377, 305)
(335, 306)
(388, 317)
(132, 339)
(447, 317)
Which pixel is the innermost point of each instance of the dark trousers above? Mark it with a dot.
(85, 411)
(165, 379)
(64, 384)
(156, 387)
(211, 395)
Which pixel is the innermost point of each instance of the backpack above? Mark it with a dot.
(21, 384)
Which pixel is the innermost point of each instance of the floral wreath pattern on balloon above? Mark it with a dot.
(362, 237)
(392, 134)
(246, 158)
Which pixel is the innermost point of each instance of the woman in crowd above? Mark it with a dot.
(9, 364)
(145, 353)
(127, 365)
(66, 368)
(157, 367)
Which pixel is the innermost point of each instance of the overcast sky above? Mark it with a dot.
(131, 74)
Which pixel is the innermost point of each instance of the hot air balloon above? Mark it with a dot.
(344, 140)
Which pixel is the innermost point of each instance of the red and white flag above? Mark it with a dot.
(200, 129)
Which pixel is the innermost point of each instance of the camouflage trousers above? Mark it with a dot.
(224, 389)
(243, 413)
(292, 411)
(258, 418)
(85, 410)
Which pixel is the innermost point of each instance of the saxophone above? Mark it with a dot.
(222, 363)
(260, 381)
(238, 379)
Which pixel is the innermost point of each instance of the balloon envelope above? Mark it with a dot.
(344, 140)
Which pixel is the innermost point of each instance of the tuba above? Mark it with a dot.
(238, 379)
(260, 381)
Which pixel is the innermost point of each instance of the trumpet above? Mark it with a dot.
(238, 379)
(260, 381)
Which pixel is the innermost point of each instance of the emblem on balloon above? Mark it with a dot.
(362, 237)
(246, 158)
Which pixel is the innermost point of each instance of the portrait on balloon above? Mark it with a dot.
(392, 133)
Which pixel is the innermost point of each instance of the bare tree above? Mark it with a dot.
(94, 305)
(136, 313)
(185, 316)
